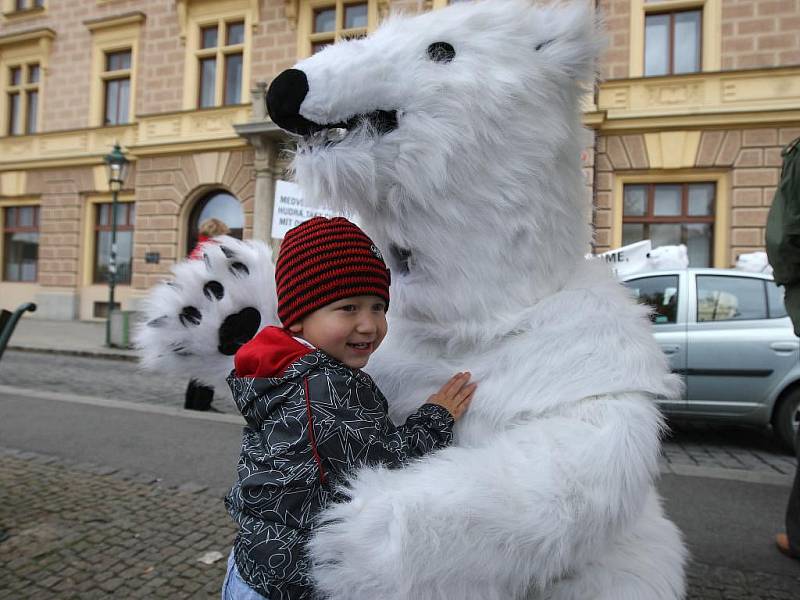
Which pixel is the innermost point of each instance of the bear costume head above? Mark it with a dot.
(402, 127)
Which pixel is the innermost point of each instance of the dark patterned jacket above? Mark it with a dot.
(288, 470)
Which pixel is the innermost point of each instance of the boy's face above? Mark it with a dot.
(349, 330)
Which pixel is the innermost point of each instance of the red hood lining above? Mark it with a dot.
(268, 354)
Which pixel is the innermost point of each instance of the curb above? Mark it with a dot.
(741, 475)
(170, 411)
(106, 354)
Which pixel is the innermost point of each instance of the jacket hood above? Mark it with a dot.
(268, 354)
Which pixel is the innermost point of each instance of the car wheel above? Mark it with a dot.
(786, 419)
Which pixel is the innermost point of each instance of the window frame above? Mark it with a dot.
(671, 41)
(109, 76)
(22, 91)
(722, 256)
(109, 36)
(11, 9)
(96, 228)
(306, 37)
(711, 32)
(5, 229)
(649, 218)
(193, 16)
(220, 53)
(23, 49)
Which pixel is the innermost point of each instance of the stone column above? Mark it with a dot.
(265, 157)
(265, 152)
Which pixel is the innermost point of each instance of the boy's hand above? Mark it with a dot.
(455, 395)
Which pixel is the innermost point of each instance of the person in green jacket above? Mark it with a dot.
(783, 250)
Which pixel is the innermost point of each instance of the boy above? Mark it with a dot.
(312, 415)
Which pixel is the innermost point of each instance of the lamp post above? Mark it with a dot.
(117, 169)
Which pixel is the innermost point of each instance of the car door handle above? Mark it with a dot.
(785, 346)
(669, 349)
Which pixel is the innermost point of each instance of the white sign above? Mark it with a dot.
(628, 259)
(290, 209)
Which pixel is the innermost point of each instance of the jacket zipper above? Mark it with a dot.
(311, 438)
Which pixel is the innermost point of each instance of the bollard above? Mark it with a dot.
(9, 322)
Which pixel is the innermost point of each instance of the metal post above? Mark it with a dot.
(117, 168)
(112, 265)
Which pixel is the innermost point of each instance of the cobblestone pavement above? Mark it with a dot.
(708, 582)
(83, 531)
(726, 447)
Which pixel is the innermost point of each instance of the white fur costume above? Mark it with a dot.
(668, 257)
(754, 262)
(477, 200)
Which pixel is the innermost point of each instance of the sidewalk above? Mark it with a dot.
(80, 338)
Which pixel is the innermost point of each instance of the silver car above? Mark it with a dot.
(728, 334)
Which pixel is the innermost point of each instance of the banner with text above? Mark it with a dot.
(628, 259)
(290, 209)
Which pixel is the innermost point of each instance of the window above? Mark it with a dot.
(20, 243)
(670, 214)
(777, 309)
(115, 57)
(338, 20)
(221, 205)
(126, 213)
(730, 298)
(117, 87)
(673, 43)
(21, 5)
(220, 63)
(23, 98)
(660, 293)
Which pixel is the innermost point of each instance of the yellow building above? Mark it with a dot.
(697, 99)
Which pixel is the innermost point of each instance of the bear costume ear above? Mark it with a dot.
(569, 35)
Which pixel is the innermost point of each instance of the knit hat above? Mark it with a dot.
(324, 260)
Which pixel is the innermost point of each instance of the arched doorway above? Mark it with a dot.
(218, 204)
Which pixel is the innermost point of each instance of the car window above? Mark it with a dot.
(775, 301)
(659, 292)
(722, 298)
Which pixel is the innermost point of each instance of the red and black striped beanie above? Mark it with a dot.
(322, 261)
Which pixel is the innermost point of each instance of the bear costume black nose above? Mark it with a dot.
(284, 98)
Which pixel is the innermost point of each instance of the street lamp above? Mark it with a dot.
(117, 169)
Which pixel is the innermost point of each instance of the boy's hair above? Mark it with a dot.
(324, 260)
(212, 228)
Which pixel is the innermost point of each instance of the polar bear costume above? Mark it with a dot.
(456, 136)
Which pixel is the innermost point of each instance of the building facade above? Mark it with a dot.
(697, 99)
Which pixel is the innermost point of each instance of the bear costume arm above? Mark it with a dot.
(494, 520)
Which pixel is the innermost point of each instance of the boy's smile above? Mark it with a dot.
(349, 330)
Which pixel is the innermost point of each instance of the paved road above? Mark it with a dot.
(99, 377)
(729, 526)
(689, 446)
(171, 445)
(135, 519)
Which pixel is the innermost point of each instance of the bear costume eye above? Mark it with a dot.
(441, 52)
(543, 44)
